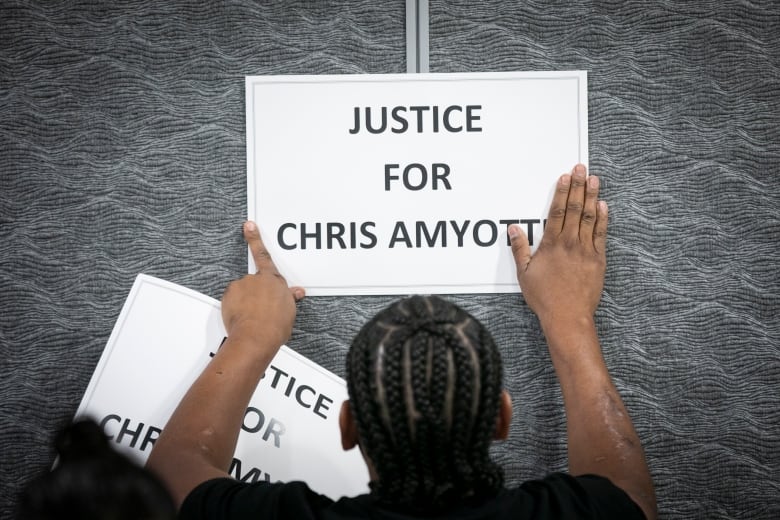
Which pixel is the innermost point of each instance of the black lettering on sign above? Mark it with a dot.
(492, 233)
(440, 229)
(421, 118)
(212, 354)
(305, 395)
(331, 235)
(254, 420)
(253, 475)
(460, 231)
(482, 233)
(415, 176)
(400, 235)
(130, 433)
(322, 404)
(529, 228)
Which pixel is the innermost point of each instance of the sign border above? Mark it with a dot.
(580, 76)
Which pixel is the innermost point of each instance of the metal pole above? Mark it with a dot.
(422, 36)
(417, 36)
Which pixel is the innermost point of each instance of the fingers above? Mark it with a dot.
(600, 230)
(521, 250)
(298, 293)
(260, 254)
(576, 213)
(557, 213)
(575, 203)
(589, 210)
(262, 257)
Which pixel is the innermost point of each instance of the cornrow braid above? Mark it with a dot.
(424, 381)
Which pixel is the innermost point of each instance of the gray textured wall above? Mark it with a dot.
(122, 151)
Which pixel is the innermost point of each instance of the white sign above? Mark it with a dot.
(398, 184)
(162, 341)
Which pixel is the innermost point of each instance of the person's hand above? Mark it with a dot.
(564, 278)
(260, 306)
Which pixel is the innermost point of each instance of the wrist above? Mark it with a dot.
(572, 338)
(252, 343)
(562, 324)
(262, 334)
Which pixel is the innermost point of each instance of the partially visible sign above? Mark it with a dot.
(163, 339)
(397, 184)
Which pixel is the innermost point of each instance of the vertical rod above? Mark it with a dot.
(411, 37)
(423, 23)
(417, 21)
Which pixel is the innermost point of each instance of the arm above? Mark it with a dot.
(198, 442)
(562, 284)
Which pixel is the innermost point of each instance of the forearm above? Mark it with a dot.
(199, 439)
(601, 436)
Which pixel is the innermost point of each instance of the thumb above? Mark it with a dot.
(521, 250)
(298, 293)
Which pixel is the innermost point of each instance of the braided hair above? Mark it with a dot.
(424, 381)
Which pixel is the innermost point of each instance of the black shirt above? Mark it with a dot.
(559, 495)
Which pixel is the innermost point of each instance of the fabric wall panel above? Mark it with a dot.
(684, 113)
(122, 150)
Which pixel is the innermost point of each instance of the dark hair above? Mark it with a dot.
(424, 381)
(93, 481)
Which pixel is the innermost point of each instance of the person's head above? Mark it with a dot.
(426, 401)
(93, 481)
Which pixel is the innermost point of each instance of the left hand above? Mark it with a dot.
(563, 280)
(260, 306)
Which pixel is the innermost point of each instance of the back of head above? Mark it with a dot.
(424, 380)
(93, 481)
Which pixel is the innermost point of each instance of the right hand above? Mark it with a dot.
(564, 278)
(260, 306)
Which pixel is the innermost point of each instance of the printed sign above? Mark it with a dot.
(398, 184)
(163, 339)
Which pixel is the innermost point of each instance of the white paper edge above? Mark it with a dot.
(372, 290)
(126, 309)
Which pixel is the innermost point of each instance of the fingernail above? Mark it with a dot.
(250, 226)
(593, 182)
(513, 230)
(602, 206)
(565, 179)
(579, 168)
